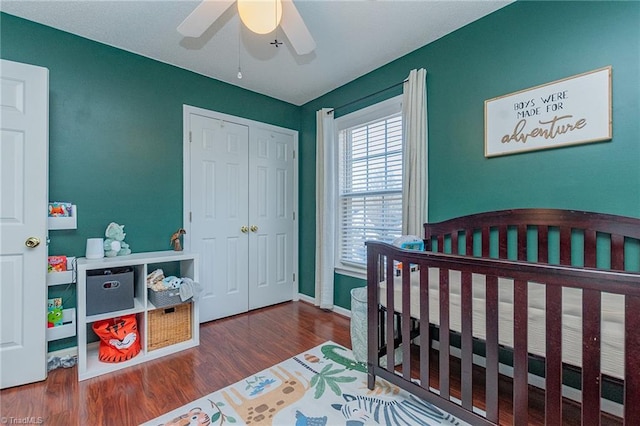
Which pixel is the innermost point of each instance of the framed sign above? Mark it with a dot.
(574, 110)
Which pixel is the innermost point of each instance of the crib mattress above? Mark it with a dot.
(612, 316)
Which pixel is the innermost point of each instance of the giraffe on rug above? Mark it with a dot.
(263, 408)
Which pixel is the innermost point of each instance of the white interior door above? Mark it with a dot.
(271, 221)
(219, 205)
(24, 143)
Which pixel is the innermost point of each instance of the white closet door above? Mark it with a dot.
(24, 143)
(271, 199)
(219, 205)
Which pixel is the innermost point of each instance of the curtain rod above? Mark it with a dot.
(368, 96)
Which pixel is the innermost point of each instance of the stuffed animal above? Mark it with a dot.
(114, 244)
(154, 280)
(172, 282)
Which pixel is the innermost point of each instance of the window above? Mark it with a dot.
(369, 180)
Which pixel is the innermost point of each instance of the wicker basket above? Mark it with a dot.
(168, 326)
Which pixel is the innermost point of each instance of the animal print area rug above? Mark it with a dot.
(323, 386)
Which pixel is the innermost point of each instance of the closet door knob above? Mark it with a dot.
(254, 228)
(244, 229)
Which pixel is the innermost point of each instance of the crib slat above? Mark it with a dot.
(617, 252)
(522, 242)
(454, 243)
(467, 341)
(543, 244)
(520, 353)
(373, 313)
(553, 363)
(406, 321)
(503, 245)
(590, 248)
(485, 242)
(444, 334)
(631, 367)
(425, 329)
(565, 245)
(469, 243)
(491, 379)
(591, 382)
(389, 340)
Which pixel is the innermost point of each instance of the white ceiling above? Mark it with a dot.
(352, 37)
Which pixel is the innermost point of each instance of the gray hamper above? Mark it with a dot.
(359, 327)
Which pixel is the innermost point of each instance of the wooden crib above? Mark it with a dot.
(517, 280)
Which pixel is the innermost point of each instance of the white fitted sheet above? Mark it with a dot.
(612, 316)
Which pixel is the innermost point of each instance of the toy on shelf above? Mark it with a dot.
(175, 239)
(54, 314)
(114, 244)
(57, 263)
(60, 209)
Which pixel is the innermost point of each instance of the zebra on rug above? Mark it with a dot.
(361, 410)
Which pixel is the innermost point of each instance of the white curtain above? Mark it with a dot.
(326, 187)
(414, 180)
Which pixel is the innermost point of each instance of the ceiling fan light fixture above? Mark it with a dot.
(260, 16)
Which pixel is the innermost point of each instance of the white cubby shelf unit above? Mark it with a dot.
(88, 363)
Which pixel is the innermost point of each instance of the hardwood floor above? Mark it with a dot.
(230, 350)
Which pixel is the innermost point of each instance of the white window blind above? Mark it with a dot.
(370, 186)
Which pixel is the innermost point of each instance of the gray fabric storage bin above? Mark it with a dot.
(359, 326)
(109, 290)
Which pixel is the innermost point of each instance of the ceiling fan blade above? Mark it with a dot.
(203, 16)
(295, 29)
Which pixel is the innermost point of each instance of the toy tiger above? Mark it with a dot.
(118, 338)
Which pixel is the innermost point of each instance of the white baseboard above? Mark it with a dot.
(342, 311)
(305, 298)
(337, 309)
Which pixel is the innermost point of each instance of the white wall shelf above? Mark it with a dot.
(68, 327)
(59, 278)
(88, 363)
(66, 222)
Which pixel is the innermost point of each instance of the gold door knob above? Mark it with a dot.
(32, 242)
(244, 229)
(254, 228)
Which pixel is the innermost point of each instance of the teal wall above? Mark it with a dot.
(522, 45)
(115, 146)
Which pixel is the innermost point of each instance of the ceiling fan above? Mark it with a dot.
(279, 12)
